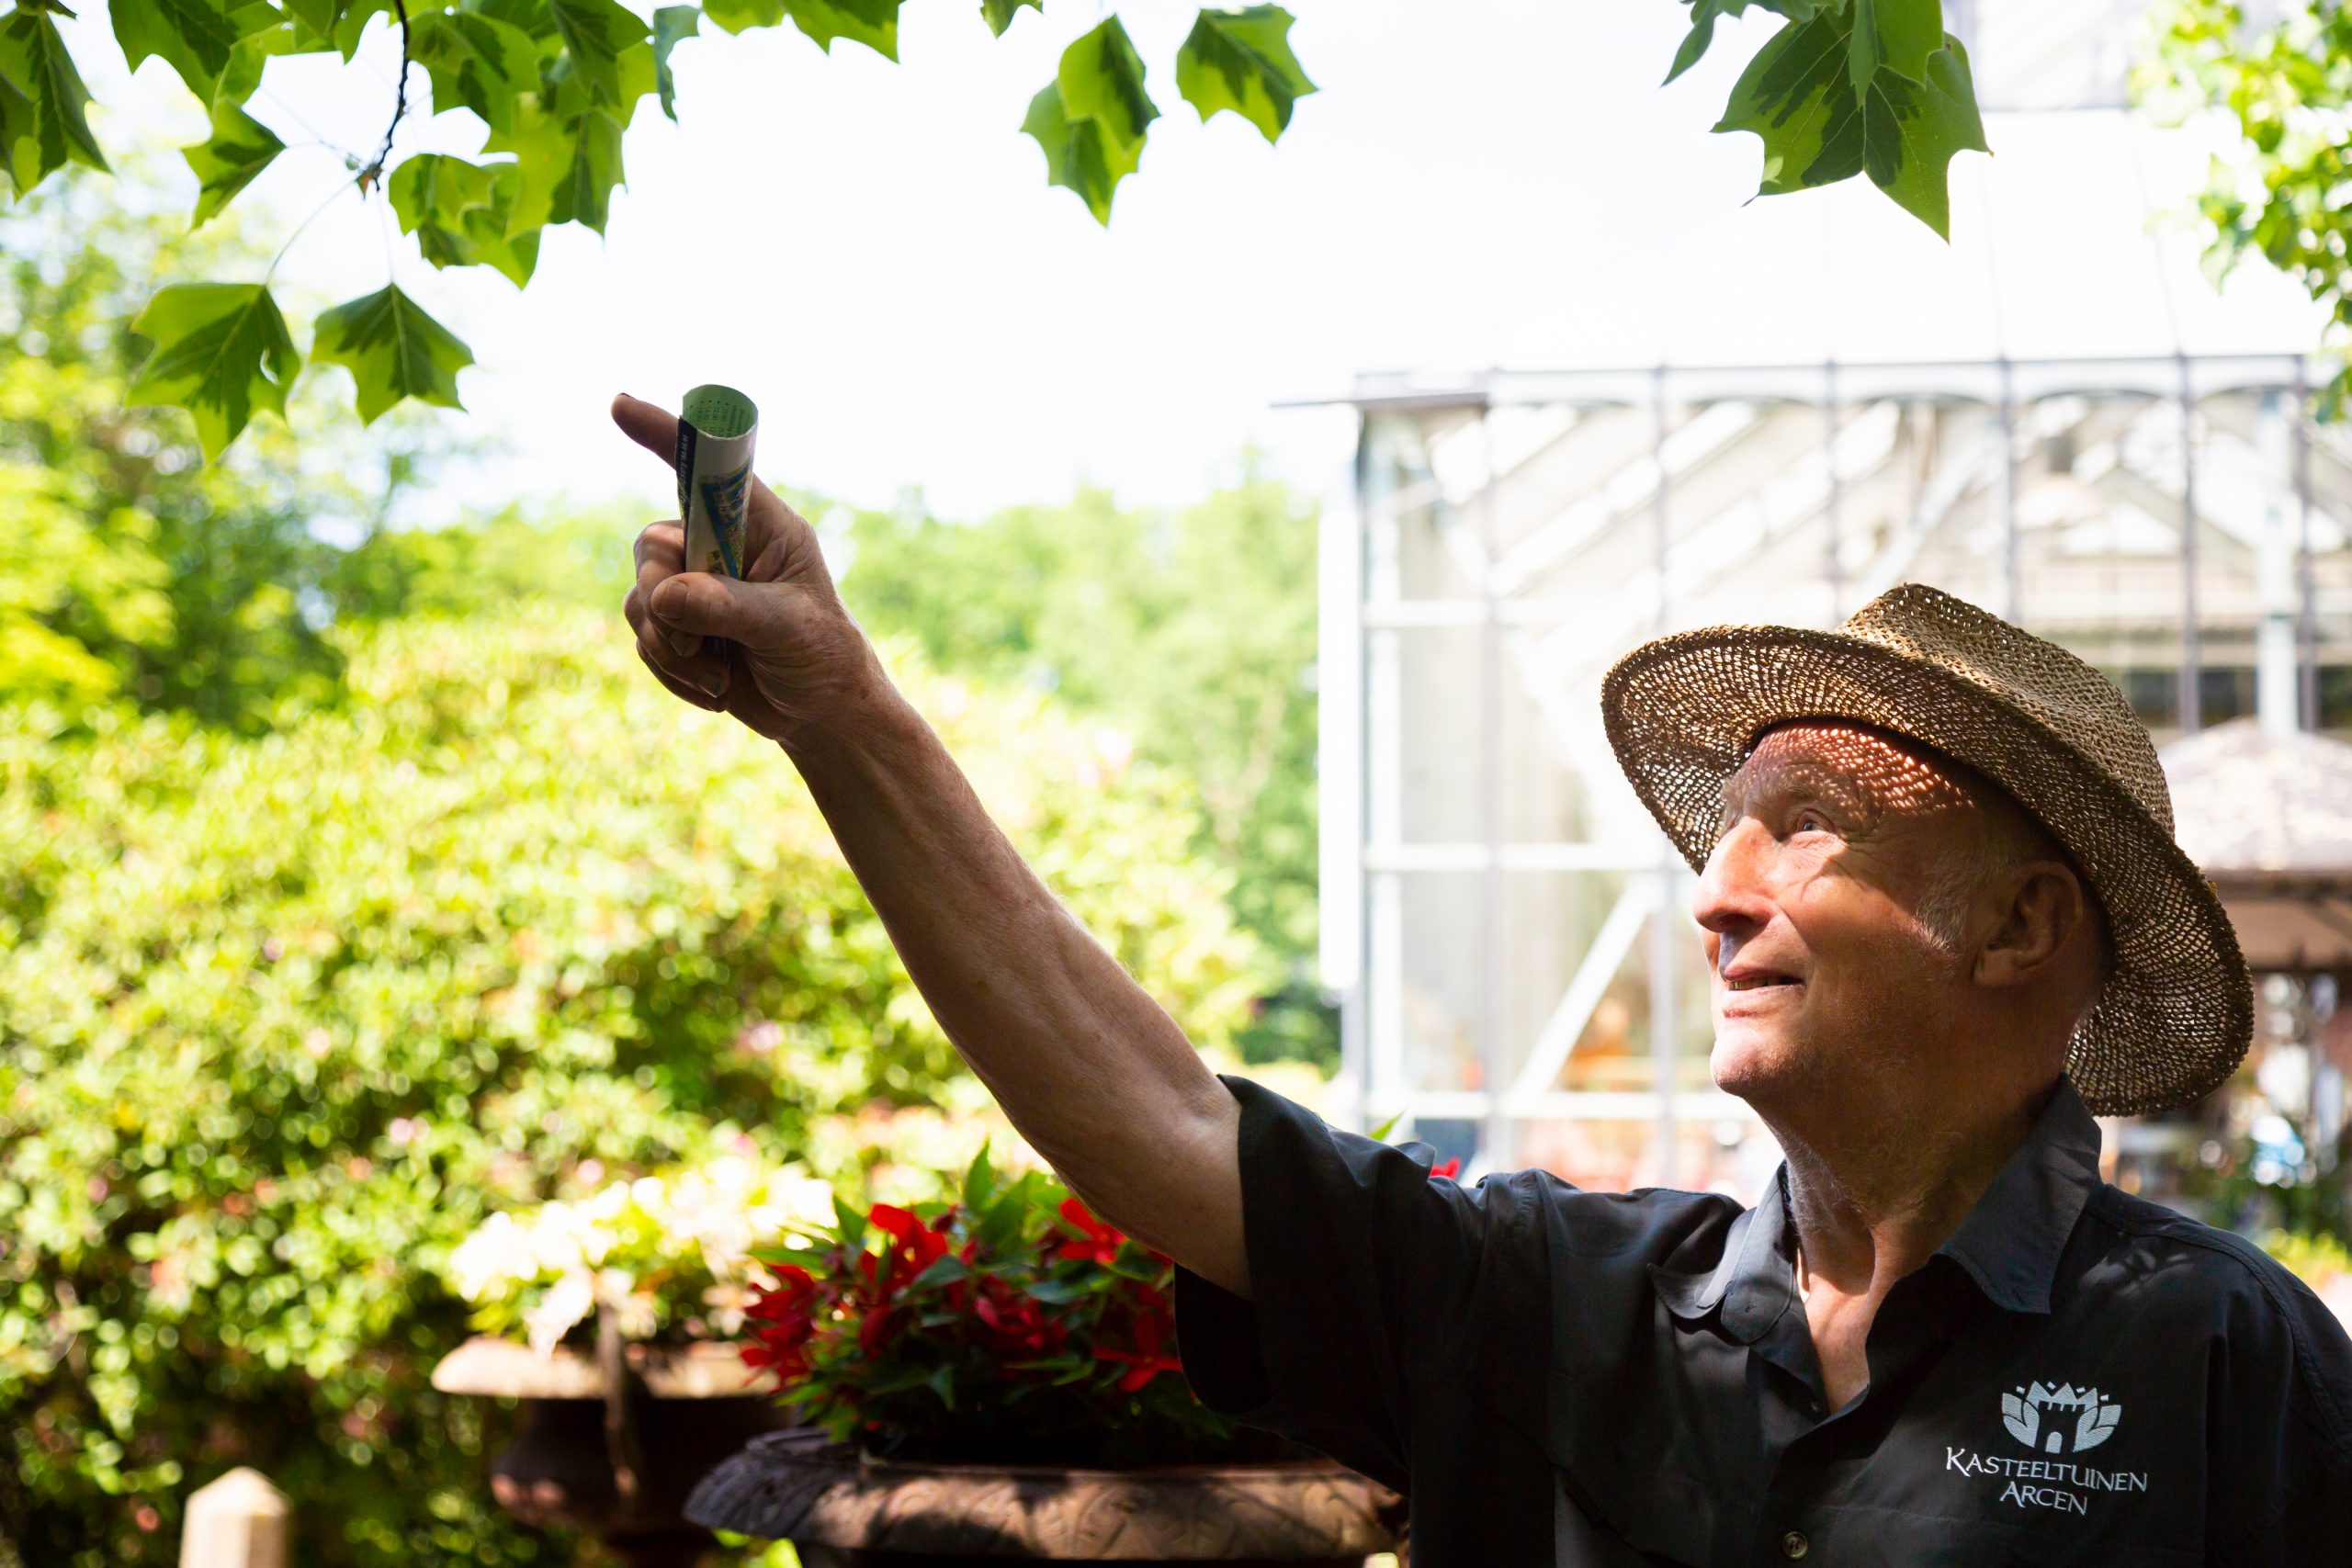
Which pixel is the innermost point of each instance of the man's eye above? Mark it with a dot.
(1812, 822)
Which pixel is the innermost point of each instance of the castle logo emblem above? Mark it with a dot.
(2060, 1420)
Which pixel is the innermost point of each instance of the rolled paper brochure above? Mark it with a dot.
(716, 428)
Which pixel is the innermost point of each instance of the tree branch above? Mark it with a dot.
(374, 172)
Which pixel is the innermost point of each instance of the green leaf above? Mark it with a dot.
(941, 1271)
(980, 1182)
(735, 16)
(874, 23)
(1798, 97)
(595, 33)
(18, 138)
(194, 37)
(459, 211)
(567, 167)
(1242, 60)
(670, 23)
(317, 18)
(1102, 80)
(51, 127)
(1703, 14)
(393, 350)
(222, 352)
(478, 62)
(241, 148)
(241, 76)
(1934, 119)
(1078, 154)
(999, 13)
(1898, 34)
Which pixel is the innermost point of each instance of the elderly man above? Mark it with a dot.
(1945, 919)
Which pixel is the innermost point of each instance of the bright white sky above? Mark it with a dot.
(871, 251)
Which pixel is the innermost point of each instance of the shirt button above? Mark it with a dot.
(1793, 1545)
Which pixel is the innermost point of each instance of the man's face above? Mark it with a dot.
(1822, 966)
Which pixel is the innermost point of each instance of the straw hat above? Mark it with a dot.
(2177, 1011)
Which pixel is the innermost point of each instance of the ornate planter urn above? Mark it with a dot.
(842, 1510)
(612, 1444)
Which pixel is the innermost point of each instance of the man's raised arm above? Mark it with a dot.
(1099, 1079)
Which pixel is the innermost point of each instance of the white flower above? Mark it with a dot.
(552, 1316)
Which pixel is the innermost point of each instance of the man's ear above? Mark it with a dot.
(2045, 907)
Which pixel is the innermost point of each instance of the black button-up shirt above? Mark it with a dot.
(1559, 1377)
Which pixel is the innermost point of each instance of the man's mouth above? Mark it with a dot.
(1757, 979)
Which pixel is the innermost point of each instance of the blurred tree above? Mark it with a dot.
(1194, 633)
(2278, 189)
(129, 567)
(281, 1018)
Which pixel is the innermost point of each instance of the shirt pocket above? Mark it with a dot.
(1619, 1510)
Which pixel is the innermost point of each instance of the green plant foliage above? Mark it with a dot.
(555, 84)
(240, 147)
(672, 24)
(129, 567)
(999, 13)
(281, 1019)
(1193, 633)
(2277, 189)
(1242, 60)
(52, 125)
(459, 213)
(222, 350)
(1080, 153)
(1831, 97)
(393, 350)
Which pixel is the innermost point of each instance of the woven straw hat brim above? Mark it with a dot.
(2177, 1011)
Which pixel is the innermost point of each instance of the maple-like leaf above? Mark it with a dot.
(476, 60)
(670, 23)
(1079, 154)
(221, 353)
(1100, 79)
(874, 23)
(595, 33)
(567, 167)
(194, 37)
(240, 147)
(999, 13)
(458, 210)
(393, 350)
(51, 124)
(1242, 60)
(1798, 97)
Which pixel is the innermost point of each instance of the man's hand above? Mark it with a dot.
(792, 656)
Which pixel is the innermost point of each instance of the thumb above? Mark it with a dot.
(702, 604)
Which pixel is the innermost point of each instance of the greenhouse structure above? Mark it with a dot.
(2057, 417)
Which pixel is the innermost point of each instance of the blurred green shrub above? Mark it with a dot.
(1193, 631)
(128, 567)
(282, 1017)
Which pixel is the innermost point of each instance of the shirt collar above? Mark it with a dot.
(2009, 1244)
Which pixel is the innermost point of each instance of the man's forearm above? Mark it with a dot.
(1094, 1074)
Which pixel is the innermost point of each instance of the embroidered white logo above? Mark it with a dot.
(2061, 1420)
(2077, 1418)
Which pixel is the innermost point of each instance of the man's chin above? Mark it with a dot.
(1752, 1063)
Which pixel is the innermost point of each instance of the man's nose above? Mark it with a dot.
(1731, 900)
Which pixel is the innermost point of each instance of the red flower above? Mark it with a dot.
(784, 1324)
(1147, 1359)
(1012, 1324)
(1101, 1243)
(1447, 1167)
(914, 1246)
